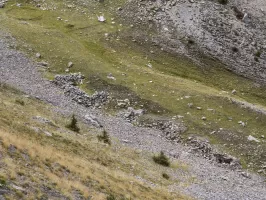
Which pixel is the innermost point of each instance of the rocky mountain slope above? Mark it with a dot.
(232, 32)
(91, 59)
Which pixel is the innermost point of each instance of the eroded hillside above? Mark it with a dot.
(115, 65)
(230, 31)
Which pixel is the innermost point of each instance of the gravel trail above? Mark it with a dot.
(212, 181)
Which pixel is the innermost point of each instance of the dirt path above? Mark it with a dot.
(212, 181)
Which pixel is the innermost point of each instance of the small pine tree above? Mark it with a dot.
(104, 137)
(73, 125)
(161, 159)
(166, 176)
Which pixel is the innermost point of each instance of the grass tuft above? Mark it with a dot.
(161, 159)
(20, 102)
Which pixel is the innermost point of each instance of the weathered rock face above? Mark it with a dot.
(69, 84)
(234, 33)
(131, 114)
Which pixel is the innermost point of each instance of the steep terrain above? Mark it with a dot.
(232, 32)
(113, 77)
(41, 159)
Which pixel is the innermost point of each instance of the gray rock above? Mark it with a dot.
(2, 4)
(245, 174)
(101, 18)
(12, 149)
(190, 105)
(48, 133)
(43, 64)
(233, 91)
(132, 114)
(70, 64)
(38, 55)
(43, 120)
(18, 187)
(4, 191)
(251, 138)
(123, 103)
(93, 120)
(110, 76)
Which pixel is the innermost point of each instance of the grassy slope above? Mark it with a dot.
(68, 162)
(82, 40)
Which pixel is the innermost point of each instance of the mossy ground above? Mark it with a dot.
(97, 49)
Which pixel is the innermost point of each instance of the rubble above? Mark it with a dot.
(171, 130)
(69, 84)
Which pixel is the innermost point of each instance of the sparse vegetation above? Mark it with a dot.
(111, 197)
(238, 13)
(166, 176)
(104, 138)
(67, 162)
(20, 102)
(190, 41)
(162, 159)
(203, 83)
(235, 49)
(2, 181)
(258, 54)
(224, 2)
(73, 125)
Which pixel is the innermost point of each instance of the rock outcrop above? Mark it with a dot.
(69, 84)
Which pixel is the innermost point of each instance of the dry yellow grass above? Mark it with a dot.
(71, 162)
(117, 181)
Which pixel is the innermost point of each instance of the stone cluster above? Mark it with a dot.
(171, 130)
(69, 84)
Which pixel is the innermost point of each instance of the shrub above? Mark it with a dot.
(166, 176)
(111, 197)
(190, 41)
(20, 101)
(73, 125)
(161, 159)
(238, 13)
(235, 49)
(2, 180)
(258, 54)
(104, 137)
(224, 2)
(19, 194)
